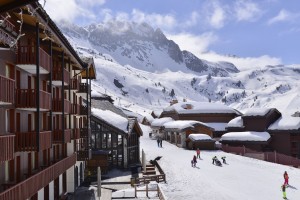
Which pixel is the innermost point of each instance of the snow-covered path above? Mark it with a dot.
(241, 179)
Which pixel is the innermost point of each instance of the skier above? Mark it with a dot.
(158, 142)
(194, 161)
(214, 160)
(286, 178)
(283, 188)
(198, 153)
(224, 159)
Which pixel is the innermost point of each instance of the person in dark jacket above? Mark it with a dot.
(194, 161)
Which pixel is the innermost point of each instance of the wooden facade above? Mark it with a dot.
(44, 133)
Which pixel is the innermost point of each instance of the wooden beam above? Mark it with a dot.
(15, 4)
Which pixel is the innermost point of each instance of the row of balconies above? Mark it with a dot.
(27, 141)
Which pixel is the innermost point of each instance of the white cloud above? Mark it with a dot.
(283, 16)
(91, 3)
(157, 20)
(242, 63)
(74, 10)
(193, 20)
(247, 11)
(194, 43)
(217, 18)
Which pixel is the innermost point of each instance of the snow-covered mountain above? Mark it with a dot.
(141, 69)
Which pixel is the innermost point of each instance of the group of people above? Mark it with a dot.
(215, 159)
(285, 184)
(159, 142)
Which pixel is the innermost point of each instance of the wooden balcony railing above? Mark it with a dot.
(26, 98)
(74, 84)
(7, 24)
(59, 137)
(76, 134)
(83, 110)
(83, 88)
(27, 56)
(7, 145)
(7, 87)
(85, 132)
(27, 141)
(83, 155)
(57, 106)
(33, 184)
(75, 109)
(57, 76)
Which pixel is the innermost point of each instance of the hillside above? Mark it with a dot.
(143, 70)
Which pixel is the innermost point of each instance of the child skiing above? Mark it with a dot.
(283, 188)
(194, 161)
(198, 153)
(214, 160)
(286, 178)
(224, 159)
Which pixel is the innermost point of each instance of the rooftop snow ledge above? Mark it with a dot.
(246, 136)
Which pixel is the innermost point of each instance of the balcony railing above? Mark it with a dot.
(76, 134)
(27, 141)
(57, 106)
(60, 137)
(85, 132)
(74, 84)
(7, 86)
(27, 56)
(57, 76)
(33, 184)
(26, 98)
(7, 144)
(83, 88)
(83, 155)
(75, 109)
(7, 24)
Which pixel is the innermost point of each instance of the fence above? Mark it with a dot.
(150, 188)
(274, 157)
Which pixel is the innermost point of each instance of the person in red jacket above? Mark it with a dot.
(286, 178)
(198, 153)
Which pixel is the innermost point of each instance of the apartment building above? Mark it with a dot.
(44, 106)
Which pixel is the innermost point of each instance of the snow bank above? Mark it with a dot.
(161, 121)
(286, 123)
(246, 136)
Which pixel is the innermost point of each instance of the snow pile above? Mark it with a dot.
(257, 112)
(161, 121)
(286, 123)
(236, 122)
(112, 118)
(246, 136)
(199, 136)
(182, 124)
(217, 126)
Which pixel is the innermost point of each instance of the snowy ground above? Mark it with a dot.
(241, 179)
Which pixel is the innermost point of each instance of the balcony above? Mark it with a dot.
(74, 84)
(75, 109)
(26, 99)
(57, 106)
(26, 59)
(83, 89)
(85, 133)
(8, 26)
(7, 94)
(57, 77)
(27, 141)
(30, 186)
(76, 134)
(60, 137)
(83, 155)
(7, 144)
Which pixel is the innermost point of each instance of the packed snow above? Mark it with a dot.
(246, 136)
(286, 123)
(161, 121)
(236, 122)
(199, 136)
(241, 179)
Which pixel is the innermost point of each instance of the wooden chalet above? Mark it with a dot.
(213, 114)
(177, 132)
(285, 133)
(44, 106)
(115, 138)
(200, 141)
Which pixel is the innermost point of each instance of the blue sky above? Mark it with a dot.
(261, 32)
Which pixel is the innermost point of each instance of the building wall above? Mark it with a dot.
(41, 194)
(281, 142)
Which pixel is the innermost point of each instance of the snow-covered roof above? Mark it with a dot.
(199, 107)
(161, 121)
(112, 118)
(199, 136)
(246, 136)
(236, 122)
(157, 112)
(182, 124)
(257, 111)
(95, 93)
(217, 126)
(286, 123)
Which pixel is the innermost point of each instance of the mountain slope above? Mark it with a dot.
(142, 70)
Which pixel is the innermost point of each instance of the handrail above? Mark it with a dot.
(6, 147)
(7, 87)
